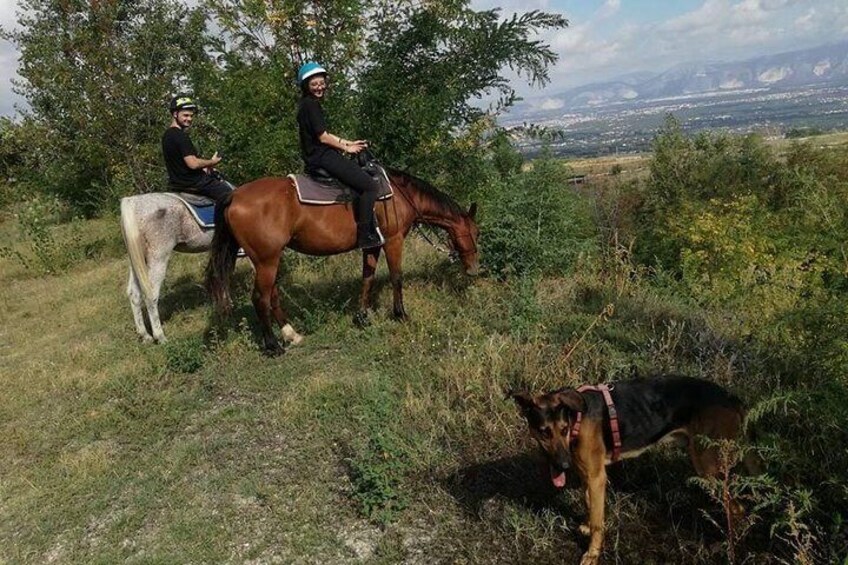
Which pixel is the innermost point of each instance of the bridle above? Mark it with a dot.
(467, 235)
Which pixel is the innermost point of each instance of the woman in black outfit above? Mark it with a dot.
(321, 149)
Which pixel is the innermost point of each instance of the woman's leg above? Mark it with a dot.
(350, 174)
(365, 187)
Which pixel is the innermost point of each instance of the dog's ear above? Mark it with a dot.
(572, 400)
(524, 401)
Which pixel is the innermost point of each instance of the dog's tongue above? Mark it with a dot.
(558, 480)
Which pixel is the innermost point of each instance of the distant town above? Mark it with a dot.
(775, 95)
(629, 127)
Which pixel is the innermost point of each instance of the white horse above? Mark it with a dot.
(154, 226)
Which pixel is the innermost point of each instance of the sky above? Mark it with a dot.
(609, 38)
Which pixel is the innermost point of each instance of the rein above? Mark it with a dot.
(613, 417)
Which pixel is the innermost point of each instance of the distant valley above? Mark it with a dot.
(770, 95)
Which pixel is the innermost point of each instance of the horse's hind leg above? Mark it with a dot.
(263, 289)
(158, 267)
(289, 333)
(134, 294)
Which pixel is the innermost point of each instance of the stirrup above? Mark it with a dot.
(370, 239)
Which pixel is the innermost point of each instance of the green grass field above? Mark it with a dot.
(390, 444)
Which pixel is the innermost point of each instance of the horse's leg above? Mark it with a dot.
(289, 333)
(370, 257)
(263, 289)
(158, 265)
(134, 294)
(394, 258)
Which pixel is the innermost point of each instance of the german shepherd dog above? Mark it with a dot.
(648, 411)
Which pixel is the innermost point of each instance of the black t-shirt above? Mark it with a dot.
(176, 144)
(310, 122)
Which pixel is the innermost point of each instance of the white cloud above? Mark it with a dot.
(609, 9)
(551, 104)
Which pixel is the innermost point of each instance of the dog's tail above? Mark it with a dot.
(751, 460)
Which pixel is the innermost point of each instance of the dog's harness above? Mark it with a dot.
(613, 416)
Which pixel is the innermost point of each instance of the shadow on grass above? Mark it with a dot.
(309, 306)
(521, 479)
(186, 293)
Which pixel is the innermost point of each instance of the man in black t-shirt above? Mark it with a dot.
(186, 171)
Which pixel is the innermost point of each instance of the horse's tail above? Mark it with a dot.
(132, 239)
(222, 258)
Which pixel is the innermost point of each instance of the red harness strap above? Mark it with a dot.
(613, 417)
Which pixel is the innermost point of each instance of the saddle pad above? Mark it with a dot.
(203, 214)
(310, 191)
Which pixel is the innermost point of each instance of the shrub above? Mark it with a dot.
(185, 355)
(535, 223)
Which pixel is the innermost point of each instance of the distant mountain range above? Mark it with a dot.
(827, 64)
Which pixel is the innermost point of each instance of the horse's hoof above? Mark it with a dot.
(291, 336)
(401, 316)
(146, 338)
(360, 319)
(274, 351)
(161, 339)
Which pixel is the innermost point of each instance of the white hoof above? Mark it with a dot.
(290, 335)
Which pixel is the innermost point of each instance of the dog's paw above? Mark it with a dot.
(591, 558)
(584, 529)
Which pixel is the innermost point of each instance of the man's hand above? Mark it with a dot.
(357, 146)
(206, 164)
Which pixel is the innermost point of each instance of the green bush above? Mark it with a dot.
(535, 223)
(48, 249)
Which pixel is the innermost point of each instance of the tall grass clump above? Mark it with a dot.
(46, 249)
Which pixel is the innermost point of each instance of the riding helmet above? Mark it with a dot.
(182, 102)
(308, 70)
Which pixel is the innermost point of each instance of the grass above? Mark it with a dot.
(393, 443)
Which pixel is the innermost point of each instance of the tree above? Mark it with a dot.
(403, 74)
(429, 60)
(97, 76)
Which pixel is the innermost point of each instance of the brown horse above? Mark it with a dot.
(264, 217)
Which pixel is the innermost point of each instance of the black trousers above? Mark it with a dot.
(350, 174)
(213, 188)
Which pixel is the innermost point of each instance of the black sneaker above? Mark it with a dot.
(367, 238)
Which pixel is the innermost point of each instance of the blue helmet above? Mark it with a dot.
(308, 70)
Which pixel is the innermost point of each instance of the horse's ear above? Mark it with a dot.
(472, 211)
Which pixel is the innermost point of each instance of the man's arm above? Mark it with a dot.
(194, 162)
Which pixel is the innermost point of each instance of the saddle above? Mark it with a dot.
(318, 186)
(201, 208)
